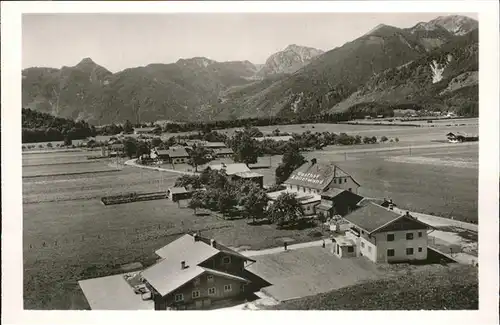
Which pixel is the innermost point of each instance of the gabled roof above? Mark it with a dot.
(230, 169)
(167, 275)
(146, 129)
(248, 174)
(177, 190)
(225, 275)
(162, 152)
(316, 175)
(178, 152)
(223, 151)
(372, 217)
(213, 144)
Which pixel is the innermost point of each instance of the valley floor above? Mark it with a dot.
(68, 235)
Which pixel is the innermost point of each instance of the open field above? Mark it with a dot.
(446, 287)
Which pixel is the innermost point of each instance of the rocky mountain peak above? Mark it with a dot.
(455, 24)
(201, 62)
(86, 62)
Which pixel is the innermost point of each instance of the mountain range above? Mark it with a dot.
(433, 65)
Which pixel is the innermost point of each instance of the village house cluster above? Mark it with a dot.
(194, 272)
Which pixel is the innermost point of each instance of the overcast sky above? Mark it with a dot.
(120, 41)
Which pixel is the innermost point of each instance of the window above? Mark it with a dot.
(345, 180)
(226, 260)
(420, 249)
(370, 249)
(334, 181)
(179, 297)
(211, 291)
(409, 251)
(419, 234)
(195, 294)
(197, 281)
(350, 249)
(409, 236)
(210, 278)
(363, 244)
(350, 189)
(227, 288)
(390, 237)
(390, 252)
(242, 287)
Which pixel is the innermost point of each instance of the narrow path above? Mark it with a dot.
(440, 221)
(281, 249)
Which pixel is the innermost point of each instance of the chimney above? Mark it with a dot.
(195, 236)
(391, 206)
(213, 243)
(313, 161)
(407, 214)
(183, 265)
(390, 201)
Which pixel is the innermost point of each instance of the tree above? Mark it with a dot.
(397, 139)
(128, 127)
(67, 141)
(226, 200)
(197, 201)
(286, 210)
(205, 176)
(254, 200)
(156, 142)
(142, 149)
(384, 139)
(188, 181)
(49, 145)
(198, 156)
(130, 147)
(292, 159)
(245, 148)
(218, 180)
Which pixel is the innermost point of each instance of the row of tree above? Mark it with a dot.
(43, 127)
(241, 197)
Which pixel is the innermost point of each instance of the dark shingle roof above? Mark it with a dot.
(178, 152)
(318, 175)
(371, 217)
(223, 151)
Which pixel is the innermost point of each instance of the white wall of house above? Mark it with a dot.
(301, 189)
(400, 244)
(367, 249)
(345, 183)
